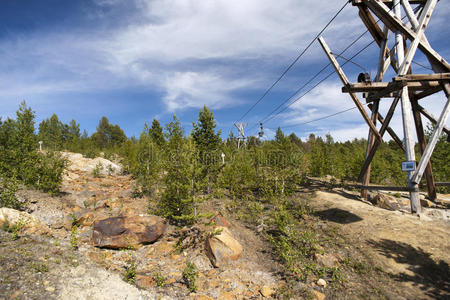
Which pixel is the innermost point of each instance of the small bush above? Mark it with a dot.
(97, 172)
(13, 229)
(158, 277)
(190, 275)
(130, 273)
(74, 238)
(8, 193)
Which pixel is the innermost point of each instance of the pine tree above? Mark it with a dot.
(279, 135)
(177, 201)
(156, 133)
(207, 142)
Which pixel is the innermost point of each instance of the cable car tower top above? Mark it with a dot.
(407, 87)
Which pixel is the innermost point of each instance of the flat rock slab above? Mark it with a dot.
(127, 232)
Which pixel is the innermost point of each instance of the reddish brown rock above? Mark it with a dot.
(127, 232)
(223, 248)
(220, 220)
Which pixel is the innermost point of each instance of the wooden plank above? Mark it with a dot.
(362, 87)
(432, 118)
(392, 86)
(371, 24)
(345, 81)
(395, 24)
(428, 92)
(423, 77)
(422, 145)
(379, 187)
(442, 183)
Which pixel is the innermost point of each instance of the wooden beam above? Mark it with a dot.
(428, 92)
(423, 77)
(379, 187)
(422, 145)
(392, 86)
(374, 148)
(383, 56)
(432, 118)
(392, 133)
(433, 139)
(370, 142)
(395, 24)
(424, 19)
(362, 87)
(361, 2)
(371, 25)
(345, 81)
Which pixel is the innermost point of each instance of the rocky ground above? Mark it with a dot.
(59, 251)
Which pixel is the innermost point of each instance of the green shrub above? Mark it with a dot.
(130, 273)
(97, 172)
(190, 275)
(8, 193)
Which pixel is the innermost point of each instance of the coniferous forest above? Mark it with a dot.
(174, 167)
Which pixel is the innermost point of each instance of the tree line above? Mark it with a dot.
(178, 170)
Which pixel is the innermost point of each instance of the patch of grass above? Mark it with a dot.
(158, 277)
(39, 267)
(14, 229)
(130, 273)
(74, 238)
(190, 275)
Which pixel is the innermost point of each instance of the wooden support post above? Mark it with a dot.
(422, 145)
(345, 81)
(406, 107)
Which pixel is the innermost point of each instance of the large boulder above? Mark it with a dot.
(128, 231)
(27, 223)
(222, 248)
(386, 202)
(79, 163)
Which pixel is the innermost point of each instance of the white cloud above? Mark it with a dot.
(193, 90)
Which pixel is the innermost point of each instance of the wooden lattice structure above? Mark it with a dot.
(407, 20)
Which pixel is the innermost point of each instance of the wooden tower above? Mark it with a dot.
(407, 21)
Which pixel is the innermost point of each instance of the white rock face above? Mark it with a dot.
(79, 163)
(30, 224)
(84, 282)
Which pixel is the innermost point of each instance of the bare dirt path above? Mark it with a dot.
(413, 251)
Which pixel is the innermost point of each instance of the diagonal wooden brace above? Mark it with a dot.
(417, 176)
(395, 24)
(345, 81)
(376, 143)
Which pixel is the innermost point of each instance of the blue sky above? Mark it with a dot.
(136, 60)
